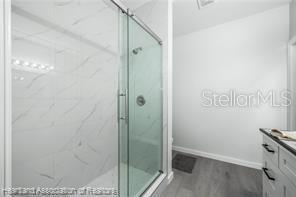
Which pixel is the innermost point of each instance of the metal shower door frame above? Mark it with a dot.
(5, 98)
(126, 10)
(164, 173)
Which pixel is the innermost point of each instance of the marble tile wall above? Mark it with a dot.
(64, 119)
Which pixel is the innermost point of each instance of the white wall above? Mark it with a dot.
(293, 18)
(247, 55)
(2, 111)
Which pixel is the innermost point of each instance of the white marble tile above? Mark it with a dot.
(65, 120)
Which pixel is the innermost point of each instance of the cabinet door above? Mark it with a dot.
(288, 165)
(287, 189)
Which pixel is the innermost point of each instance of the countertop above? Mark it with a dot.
(289, 145)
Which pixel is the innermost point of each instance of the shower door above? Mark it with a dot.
(144, 108)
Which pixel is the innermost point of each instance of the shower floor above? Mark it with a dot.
(107, 180)
(110, 179)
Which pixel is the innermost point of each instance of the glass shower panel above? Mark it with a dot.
(65, 58)
(122, 104)
(145, 108)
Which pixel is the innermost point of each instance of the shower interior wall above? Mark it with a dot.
(64, 118)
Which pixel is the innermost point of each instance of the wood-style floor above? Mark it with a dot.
(211, 178)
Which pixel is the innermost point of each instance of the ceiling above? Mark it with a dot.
(189, 18)
(134, 4)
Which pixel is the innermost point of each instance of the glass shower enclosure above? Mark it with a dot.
(141, 117)
(86, 97)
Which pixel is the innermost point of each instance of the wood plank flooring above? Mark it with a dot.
(211, 178)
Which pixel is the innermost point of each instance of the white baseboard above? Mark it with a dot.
(170, 177)
(219, 157)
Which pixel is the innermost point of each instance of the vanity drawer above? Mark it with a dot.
(271, 150)
(288, 165)
(271, 178)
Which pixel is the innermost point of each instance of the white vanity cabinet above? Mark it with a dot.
(279, 167)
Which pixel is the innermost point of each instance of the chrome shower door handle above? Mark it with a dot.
(118, 106)
(126, 106)
(125, 117)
